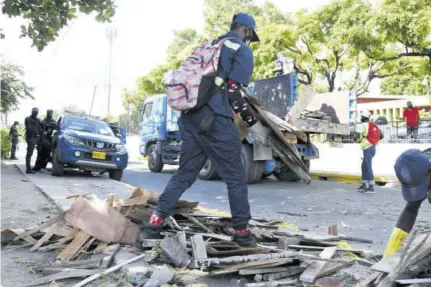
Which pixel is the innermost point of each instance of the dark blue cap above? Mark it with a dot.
(35, 110)
(247, 20)
(412, 168)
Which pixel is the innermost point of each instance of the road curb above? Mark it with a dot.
(349, 178)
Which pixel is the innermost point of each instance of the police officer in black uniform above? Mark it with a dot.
(13, 134)
(45, 141)
(32, 132)
(211, 133)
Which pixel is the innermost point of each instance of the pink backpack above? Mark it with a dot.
(193, 84)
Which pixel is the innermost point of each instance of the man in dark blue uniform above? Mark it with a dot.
(210, 132)
(13, 134)
(32, 131)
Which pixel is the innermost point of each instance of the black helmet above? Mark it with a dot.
(15, 123)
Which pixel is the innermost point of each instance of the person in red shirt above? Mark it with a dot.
(411, 115)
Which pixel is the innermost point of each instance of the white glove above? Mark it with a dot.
(259, 133)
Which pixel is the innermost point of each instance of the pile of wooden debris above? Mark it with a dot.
(96, 239)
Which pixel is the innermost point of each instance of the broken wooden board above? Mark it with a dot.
(70, 251)
(198, 223)
(58, 228)
(253, 271)
(253, 264)
(311, 273)
(102, 221)
(41, 226)
(107, 256)
(41, 241)
(81, 264)
(333, 267)
(68, 273)
(242, 251)
(9, 235)
(285, 282)
(291, 271)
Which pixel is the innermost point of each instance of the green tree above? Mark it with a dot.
(47, 18)
(403, 85)
(73, 109)
(13, 88)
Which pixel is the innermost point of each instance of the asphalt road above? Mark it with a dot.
(315, 206)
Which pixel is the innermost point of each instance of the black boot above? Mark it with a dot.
(370, 189)
(362, 188)
(149, 231)
(29, 171)
(245, 240)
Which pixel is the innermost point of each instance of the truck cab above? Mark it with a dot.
(89, 144)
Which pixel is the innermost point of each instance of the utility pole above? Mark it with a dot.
(92, 101)
(111, 33)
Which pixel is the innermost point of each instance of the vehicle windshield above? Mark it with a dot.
(85, 125)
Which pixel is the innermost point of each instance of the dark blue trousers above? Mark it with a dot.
(223, 147)
(13, 149)
(367, 165)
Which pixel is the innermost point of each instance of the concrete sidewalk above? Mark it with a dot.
(57, 189)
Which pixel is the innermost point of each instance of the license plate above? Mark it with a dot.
(98, 155)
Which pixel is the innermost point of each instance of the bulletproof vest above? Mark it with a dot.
(33, 128)
(49, 124)
(13, 132)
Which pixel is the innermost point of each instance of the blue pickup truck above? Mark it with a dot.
(90, 145)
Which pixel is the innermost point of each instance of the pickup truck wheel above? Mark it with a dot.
(208, 172)
(288, 175)
(57, 168)
(155, 162)
(253, 169)
(116, 174)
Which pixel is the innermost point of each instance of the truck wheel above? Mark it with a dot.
(116, 174)
(208, 172)
(155, 162)
(57, 168)
(288, 175)
(253, 169)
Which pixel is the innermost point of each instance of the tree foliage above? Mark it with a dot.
(47, 18)
(13, 88)
(403, 85)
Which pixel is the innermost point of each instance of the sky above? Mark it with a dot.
(69, 69)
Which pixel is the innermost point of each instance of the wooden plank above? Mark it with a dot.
(291, 271)
(41, 226)
(107, 271)
(237, 252)
(333, 267)
(41, 241)
(414, 281)
(255, 264)
(333, 229)
(81, 264)
(61, 242)
(213, 235)
(70, 251)
(107, 257)
(198, 223)
(311, 273)
(71, 273)
(262, 270)
(272, 283)
(9, 235)
(369, 280)
(58, 228)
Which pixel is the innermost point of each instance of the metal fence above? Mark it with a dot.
(394, 132)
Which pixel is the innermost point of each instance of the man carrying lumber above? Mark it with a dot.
(209, 132)
(413, 170)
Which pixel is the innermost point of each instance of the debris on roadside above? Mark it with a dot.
(96, 243)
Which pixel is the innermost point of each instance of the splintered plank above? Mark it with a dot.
(242, 251)
(71, 273)
(70, 251)
(58, 228)
(9, 235)
(41, 226)
(41, 241)
(253, 264)
(310, 274)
